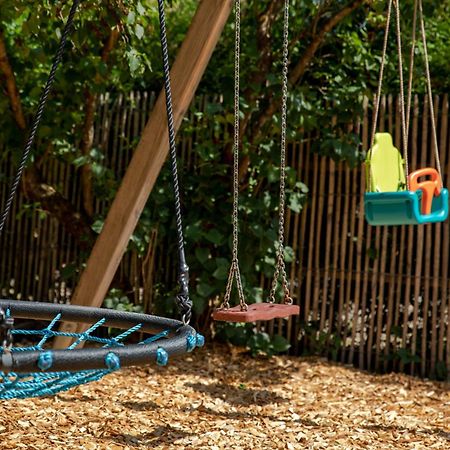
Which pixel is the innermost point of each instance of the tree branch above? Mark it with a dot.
(76, 223)
(300, 68)
(34, 187)
(302, 65)
(265, 21)
(87, 139)
(11, 85)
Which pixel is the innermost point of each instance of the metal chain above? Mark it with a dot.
(280, 268)
(183, 300)
(402, 90)
(38, 115)
(235, 273)
(380, 80)
(430, 94)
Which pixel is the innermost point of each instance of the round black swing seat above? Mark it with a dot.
(37, 369)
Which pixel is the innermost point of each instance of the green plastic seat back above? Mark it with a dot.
(384, 166)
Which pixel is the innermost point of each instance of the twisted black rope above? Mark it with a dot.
(183, 300)
(6, 326)
(38, 115)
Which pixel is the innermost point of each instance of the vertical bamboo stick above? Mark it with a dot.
(358, 321)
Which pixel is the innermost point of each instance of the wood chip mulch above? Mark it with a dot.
(221, 399)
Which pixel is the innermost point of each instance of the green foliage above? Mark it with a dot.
(32, 31)
(117, 300)
(406, 357)
(319, 343)
(441, 371)
(245, 335)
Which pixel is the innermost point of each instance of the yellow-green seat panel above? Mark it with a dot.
(384, 166)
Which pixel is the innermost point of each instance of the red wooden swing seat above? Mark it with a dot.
(256, 312)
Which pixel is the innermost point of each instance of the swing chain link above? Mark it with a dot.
(235, 273)
(280, 268)
(6, 326)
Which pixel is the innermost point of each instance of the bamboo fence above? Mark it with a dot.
(375, 297)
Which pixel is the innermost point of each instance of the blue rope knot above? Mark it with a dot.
(84, 336)
(162, 357)
(191, 342)
(200, 340)
(112, 361)
(45, 360)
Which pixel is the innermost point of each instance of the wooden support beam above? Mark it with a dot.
(149, 156)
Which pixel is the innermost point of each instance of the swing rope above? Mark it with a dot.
(39, 113)
(402, 91)
(430, 94)
(411, 67)
(6, 323)
(405, 112)
(183, 300)
(380, 80)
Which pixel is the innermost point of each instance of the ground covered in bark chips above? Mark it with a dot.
(219, 399)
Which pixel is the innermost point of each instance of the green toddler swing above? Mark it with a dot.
(393, 196)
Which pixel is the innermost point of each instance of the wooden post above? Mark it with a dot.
(149, 157)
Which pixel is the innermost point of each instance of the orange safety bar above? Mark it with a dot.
(430, 188)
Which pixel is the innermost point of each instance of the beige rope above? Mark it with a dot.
(411, 68)
(402, 90)
(381, 75)
(430, 93)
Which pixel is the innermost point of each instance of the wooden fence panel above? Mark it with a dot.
(374, 297)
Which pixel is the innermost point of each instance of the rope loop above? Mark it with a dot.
(184, 304)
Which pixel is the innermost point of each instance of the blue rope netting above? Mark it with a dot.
(14, 385)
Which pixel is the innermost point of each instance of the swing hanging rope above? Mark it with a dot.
(39, 113)
(183, 300)
(430, 93)
(405, 113)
